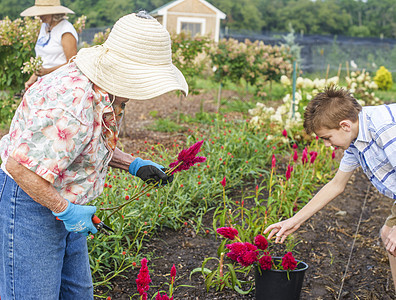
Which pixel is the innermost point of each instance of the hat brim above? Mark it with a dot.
(45, 10)
(133, 80)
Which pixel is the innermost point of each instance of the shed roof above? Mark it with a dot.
(160, 11)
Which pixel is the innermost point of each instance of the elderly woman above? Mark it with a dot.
(55, 158)
(57, 40)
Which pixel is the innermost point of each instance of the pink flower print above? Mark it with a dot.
(78, 94)
(20, 155)
(15, 133)
(72, 191)
(38, 101)
(73, 81)
(45, 173)
(62, 135)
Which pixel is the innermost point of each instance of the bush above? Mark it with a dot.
(383, 78)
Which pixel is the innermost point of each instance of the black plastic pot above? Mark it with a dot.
(275, 285)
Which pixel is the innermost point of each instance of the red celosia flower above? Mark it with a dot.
(244, 253)
(333, 155)
(284, 133)
(305, 156)
(295, 156)
(273, 161)
(248, 258)
(314, 155)
(288, 172)
(265, 262)
(143, 280)
(173, 273)
(228, 232)
(163, 297)
(223, 182)
(188, 158)
(236, 249)
(295, 146)
(288, 262)
(261, 242)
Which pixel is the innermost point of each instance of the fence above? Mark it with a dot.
(320, 52)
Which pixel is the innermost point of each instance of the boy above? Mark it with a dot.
(368, 136)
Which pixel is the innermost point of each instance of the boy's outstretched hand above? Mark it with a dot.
(282, 229)
(390, 242)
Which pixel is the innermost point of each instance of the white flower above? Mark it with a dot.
(308, 83)
(299, 83)
(333, 80)
(285, 81)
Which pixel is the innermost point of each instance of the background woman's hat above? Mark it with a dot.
(135, 61)
(46, 7)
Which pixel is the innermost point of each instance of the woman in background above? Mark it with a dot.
(57, 40)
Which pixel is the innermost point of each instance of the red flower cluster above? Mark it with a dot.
(261, 242)
(288, 262)
(265, 262)
(247, 254)
(288, 171)
(143, 280)
(223, 182)
(305, 155)
(273, 161)
(188, 157)
(173, 274)
(314, 155)
(244, 253)
(228, 232)
(163, 297)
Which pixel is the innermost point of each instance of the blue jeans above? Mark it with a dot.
(39, 258)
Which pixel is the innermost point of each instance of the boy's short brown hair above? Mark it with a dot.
(329, 108)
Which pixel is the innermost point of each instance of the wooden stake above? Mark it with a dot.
(339, 71)
(327, 72)
(347, 67)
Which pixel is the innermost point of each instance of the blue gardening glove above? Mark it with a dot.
(149, 171)
(78, 218)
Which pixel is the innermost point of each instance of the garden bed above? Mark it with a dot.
(326, 239)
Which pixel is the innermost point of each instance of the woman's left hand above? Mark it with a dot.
(42, 72)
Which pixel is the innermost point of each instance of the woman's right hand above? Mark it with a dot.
(31, 80)
(282, 229)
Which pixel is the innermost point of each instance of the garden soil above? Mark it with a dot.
(340, 243)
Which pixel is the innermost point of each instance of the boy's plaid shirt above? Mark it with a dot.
(375, 148)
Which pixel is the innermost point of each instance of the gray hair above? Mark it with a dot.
(144, 14)
(58, 17)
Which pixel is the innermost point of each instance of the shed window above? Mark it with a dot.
(192, 28)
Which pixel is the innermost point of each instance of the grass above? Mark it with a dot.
(165, 125)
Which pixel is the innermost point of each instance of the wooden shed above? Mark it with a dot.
(194, 16)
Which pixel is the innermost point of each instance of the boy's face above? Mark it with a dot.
(341, 137)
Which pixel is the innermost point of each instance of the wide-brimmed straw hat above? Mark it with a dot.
(46, 7)
(135, 61)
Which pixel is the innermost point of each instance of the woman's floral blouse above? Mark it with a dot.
(65, 130)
